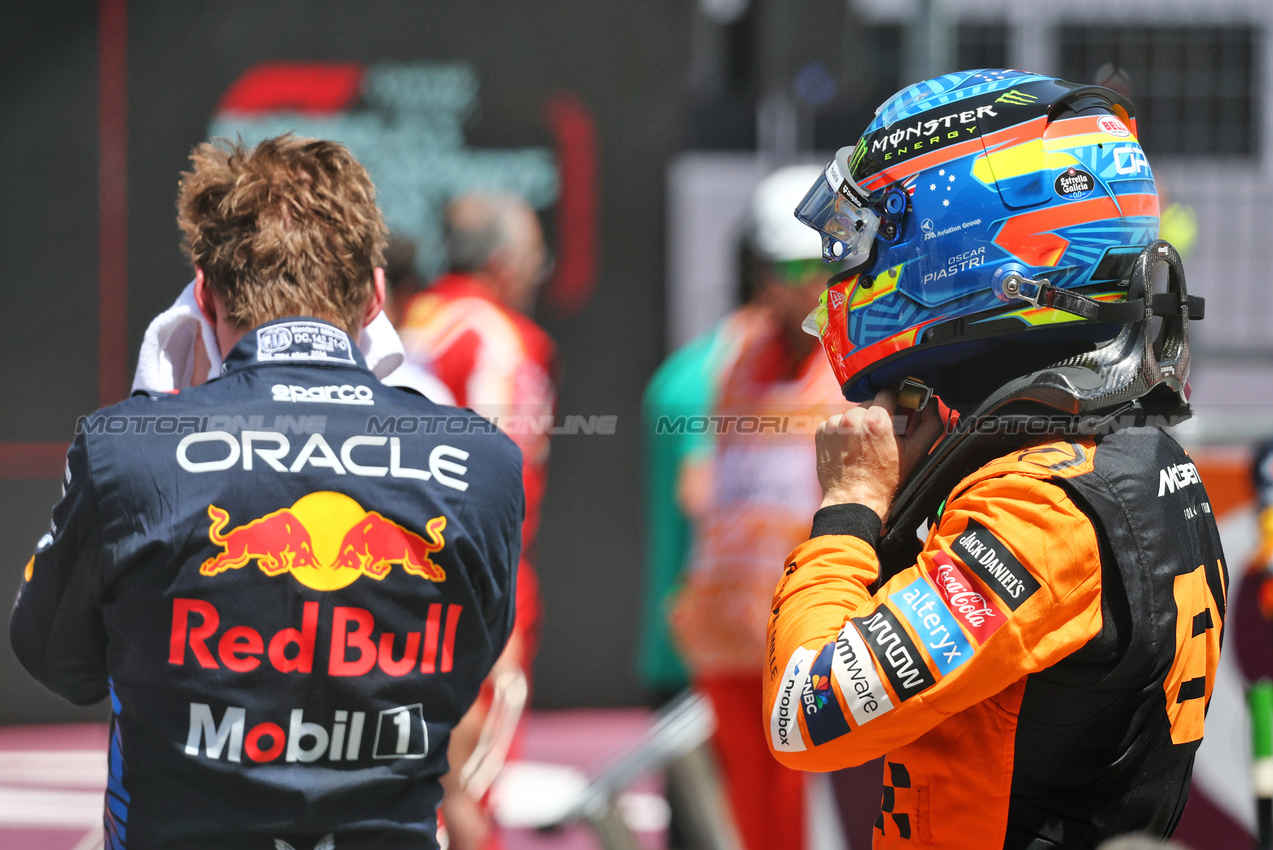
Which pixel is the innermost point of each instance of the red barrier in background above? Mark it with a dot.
(578, 234)
(112, 202)
(47, 460)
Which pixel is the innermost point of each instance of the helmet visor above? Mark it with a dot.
(835, 207)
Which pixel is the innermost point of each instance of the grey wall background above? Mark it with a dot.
(625, 61)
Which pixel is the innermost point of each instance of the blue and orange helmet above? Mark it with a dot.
(968, 204)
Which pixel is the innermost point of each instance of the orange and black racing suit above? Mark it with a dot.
(1039, 677)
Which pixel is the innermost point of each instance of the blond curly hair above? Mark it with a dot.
(289, 227)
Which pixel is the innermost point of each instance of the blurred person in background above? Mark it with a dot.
(678, 464)
(402, 281)
(1261, 567)
(472, 326)
(1037, 669)
(678, 490)
(237, 593)
(762, 490)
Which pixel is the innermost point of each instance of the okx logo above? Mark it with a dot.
(326, 541)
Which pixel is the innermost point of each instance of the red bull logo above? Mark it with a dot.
(326, 541)
(353, 642)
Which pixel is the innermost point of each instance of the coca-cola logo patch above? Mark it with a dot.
(977, 614)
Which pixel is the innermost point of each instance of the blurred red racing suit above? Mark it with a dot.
(1039, 677)
(291, 581)
(503, 366)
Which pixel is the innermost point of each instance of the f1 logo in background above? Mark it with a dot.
(401, 733)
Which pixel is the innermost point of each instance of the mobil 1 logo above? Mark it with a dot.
(401, 733)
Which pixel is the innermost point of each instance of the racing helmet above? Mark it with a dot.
(979, 207)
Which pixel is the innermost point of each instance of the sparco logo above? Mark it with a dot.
(996, 566)
(343, 394)
(784, 729)
(931, 131)
(897, 653)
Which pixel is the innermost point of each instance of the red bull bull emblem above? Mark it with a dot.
(326, 541)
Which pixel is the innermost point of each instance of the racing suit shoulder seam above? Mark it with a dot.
(95, 501)
(1035, 483)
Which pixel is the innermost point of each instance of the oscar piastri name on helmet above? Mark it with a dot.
(959, 262)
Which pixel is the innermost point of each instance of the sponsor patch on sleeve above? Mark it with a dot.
(971, 608)
(898, 655)
(996, 566)
(855, 673)
(784, 728)
(935, 625)
(822, 714)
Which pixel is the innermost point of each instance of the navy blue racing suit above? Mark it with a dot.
(291, 582)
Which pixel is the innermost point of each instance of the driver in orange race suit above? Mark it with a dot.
(1036, 670)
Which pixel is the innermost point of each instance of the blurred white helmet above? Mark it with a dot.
(776, 234)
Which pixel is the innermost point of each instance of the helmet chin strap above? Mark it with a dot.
(1120, 383)
(1040, 293)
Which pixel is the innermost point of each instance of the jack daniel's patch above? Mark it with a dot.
(996, 566)
(303, 341)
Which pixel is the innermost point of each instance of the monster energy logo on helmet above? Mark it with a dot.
(1016, 98)
(931, 130)
(927, 132)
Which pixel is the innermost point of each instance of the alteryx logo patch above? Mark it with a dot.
(854, 672)
(784, 728)
(822, 715)
(996, 566)
(896, 652)
(928, 615)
